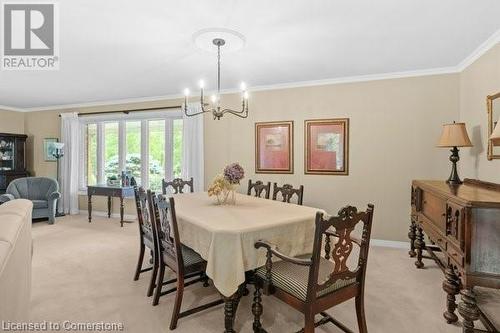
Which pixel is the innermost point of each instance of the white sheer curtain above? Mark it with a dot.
(69, 177)
(192, 147)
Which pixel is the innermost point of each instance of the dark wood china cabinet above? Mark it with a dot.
(12, 158)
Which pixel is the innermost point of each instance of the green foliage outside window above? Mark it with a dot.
(133, 157)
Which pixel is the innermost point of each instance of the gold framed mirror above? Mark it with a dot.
(493, 104)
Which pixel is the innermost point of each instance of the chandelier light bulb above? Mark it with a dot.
(245, 95)
(213, 98)
(243, 86)
(186, 92)
(202, 84)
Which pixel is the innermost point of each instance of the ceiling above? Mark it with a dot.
(122, 49)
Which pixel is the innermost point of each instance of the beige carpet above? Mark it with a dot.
(83, 273)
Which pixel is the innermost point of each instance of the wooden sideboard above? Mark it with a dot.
(462, 222)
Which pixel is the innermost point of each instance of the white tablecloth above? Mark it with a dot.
(225, 235)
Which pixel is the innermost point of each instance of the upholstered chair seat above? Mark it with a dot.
(191, 258)
(41, 191)
(293, 279)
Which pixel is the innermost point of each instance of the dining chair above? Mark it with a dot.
(258, 187)
(178, 185)
(330, 276)
(287, 192)
(182, 260)
(146, 238)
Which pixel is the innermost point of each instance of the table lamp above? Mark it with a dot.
(453, 136)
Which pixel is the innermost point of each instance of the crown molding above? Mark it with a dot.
(279, 86)
(359, 78)
(479, 51)
(10, 108)
(116, 102)
(469, 60)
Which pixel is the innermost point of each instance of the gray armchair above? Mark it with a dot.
(43, 192)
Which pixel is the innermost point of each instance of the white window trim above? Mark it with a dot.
(166, 114)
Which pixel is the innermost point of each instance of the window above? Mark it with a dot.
(91, 163)
(148, 147)
(133, 155)
(111, 162)
(177, 147)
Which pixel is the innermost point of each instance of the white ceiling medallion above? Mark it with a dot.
(234, 41)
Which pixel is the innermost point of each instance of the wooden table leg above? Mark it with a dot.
(109, 207)
(230, 307)
(121, 211)
(89, 206)
(468, 310)
(229, 314)
(451, 285)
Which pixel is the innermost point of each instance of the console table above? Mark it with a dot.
(462, 222)
(110, 192)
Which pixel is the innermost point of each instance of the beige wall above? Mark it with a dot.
(394, 125)
(11, 122)
(479, 80)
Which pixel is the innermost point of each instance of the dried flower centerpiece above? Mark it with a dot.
(224, 185)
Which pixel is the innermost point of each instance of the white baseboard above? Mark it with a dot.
(388, 243)
(127, 217)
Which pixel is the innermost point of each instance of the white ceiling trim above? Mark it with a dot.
(103, 103)
(482, 49)
(299, 84)
(10, 108)
(359, 78)
(476, 54)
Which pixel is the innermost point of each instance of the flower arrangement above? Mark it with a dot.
(234, 173)
(223, 185)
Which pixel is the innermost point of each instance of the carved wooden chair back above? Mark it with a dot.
(177, 185)
(287, 192)
(167, 235)
(141, 203)
(259, 187)
(339, 228)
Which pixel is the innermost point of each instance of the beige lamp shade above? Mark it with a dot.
(495, 136)
(454, 135)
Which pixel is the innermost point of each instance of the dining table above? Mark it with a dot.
(225, 236)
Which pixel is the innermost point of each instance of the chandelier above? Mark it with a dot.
(215, 107)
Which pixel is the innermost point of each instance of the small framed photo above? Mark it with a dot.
(326, 146)
(274, 147)
(49, 149)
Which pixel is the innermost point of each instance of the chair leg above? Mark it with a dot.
(178, 303)
(205, 280)
(153, 275)
(257, 309)
(139, 263)
(360, 313)
(159, 284)
(309, 322)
